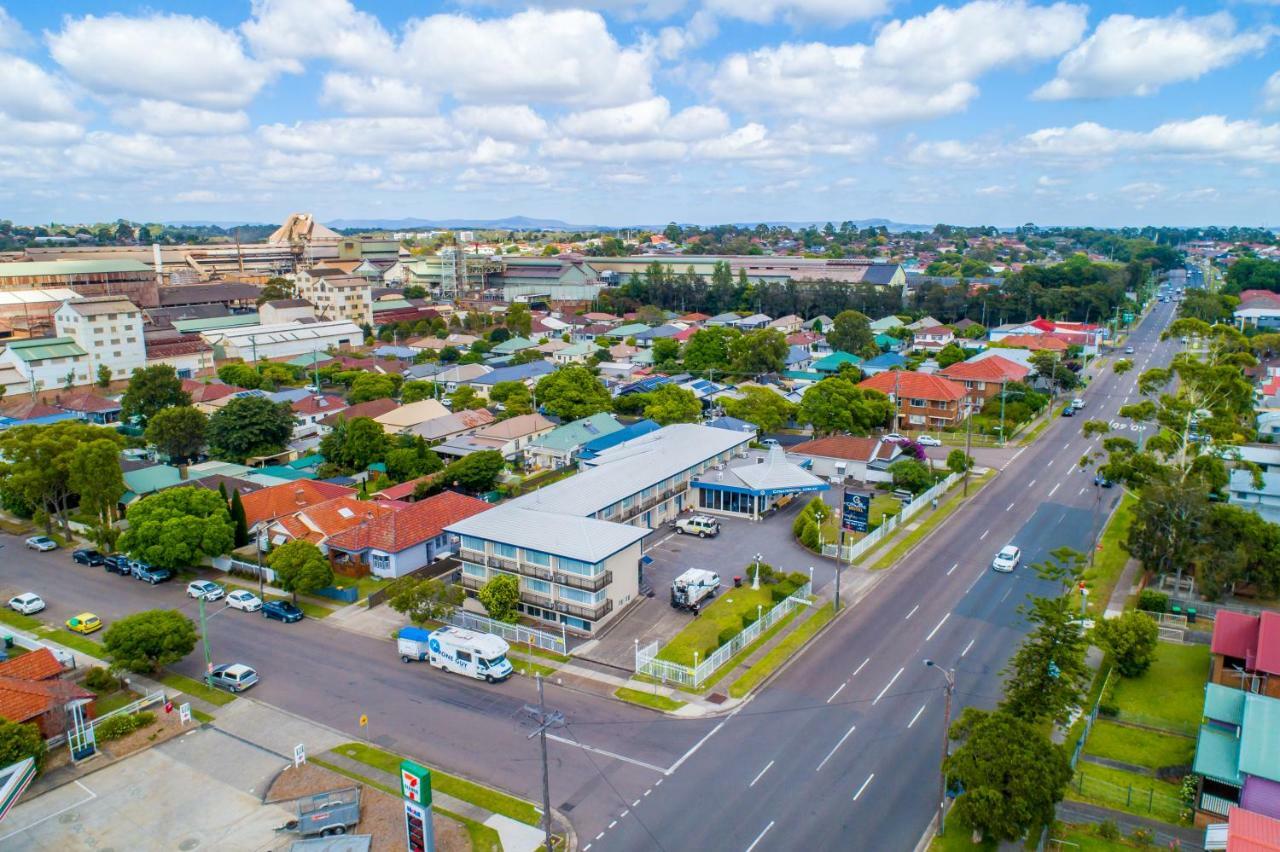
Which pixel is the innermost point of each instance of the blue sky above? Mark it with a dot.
(643, 111)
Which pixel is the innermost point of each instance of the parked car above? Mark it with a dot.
(88, 557)
(928, 441)
(234, 677)
(118, 563)
(42, 543)
(699, 525)
(1007, 559)
(894, 436)
(1077, 403)
(1102, 481)
(281, 611)
(143, 571)
(1068, 412)
(242, 600)
(205, 589)
(769, 443)
(1128, 350)
(26, 603)
(85, 622)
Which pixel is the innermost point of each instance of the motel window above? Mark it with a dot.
(541, 587)
(470, 542)
(577, 566)
(537, 557)
(473, 570)
(504, 550)
(580, 596)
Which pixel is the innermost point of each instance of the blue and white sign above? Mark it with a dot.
(856, 511)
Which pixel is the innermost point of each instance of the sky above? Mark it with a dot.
(619, 112)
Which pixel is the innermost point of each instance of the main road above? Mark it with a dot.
(843, 744)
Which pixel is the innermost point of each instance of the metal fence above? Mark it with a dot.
(515, 634)
(230, 563)
(891, 523)
(143, 703)
(1090, 720)
(647, 661)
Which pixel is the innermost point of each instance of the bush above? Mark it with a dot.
(809, 535)
(1153, 601)
(120, 726)
(798, 525)
(1130, 640)
(1144, 837)
(1108, 830)
(782, 591)
(100, 680)
(797, 578)
(726, 635)
(748, 619)
(19, 741)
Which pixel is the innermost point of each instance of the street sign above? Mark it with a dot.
(184, 713)
(415, 782)
(417, 828)
(299, 755)
(856, 510)
(364, 720)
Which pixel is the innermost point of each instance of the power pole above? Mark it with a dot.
(544, 720)
(950, 676)
(968, 441)
(204, 641)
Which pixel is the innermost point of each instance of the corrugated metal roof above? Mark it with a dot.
(213, 323)
(1218, 755)
(576, 537)
(69, 267)
(1251, 832)
(1260, 737)
(42, 348)
(1223, 704)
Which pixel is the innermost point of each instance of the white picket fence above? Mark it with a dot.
(143, 703)
(647, 661)
(890, 524)
(515, 634)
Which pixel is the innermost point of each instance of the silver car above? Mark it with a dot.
(234, 677)
(204, 589)
(41, 543)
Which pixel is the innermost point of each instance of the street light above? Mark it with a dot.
(755, 583)
(949, 676)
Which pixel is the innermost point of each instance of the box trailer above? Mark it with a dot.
(413, 644)
(479, 655)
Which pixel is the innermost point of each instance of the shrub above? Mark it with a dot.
(1153, 601)
(1144, 837)
(809, 536)
(748, 619)
(100, 680)
(726, 635)
(797, 578)
(18, 742)
(1130, 640)
(1108, 830)
(782, 591)
(798, 525)
(119, 726)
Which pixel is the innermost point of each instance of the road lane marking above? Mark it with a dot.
(635, 803)
(984, 535)
(837, 692)
(760, 836)
(621, 757)
(1009, 507)
(1067, 445)
(859, 668)
(967, 647)
(598, 836)
(917, 716)
(1049, 462)
(887, 685)
(864, 786)
(833, 750)
(1082, 490)
(623, 814)
(1006, 594)
(761, 775)
(936, 629)
(586, 848)
(913, 612)
(1031, 483)
(1054, 489)
(952, 568)
(611, 825)
(657, 783)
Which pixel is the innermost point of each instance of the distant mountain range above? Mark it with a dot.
(528, 223)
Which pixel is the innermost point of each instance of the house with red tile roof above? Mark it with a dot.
(372, 409)
(933, 339)
(32, 691)
(1246, 651)
(846, 456)
(318, 523)
(289, 497)
(924, 401)
(1036, 342)
(90, 407)
(406, 538)
(311, 409)
(985, 377)
(207, 391)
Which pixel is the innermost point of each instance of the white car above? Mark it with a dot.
(242, 600)
(27, 603)
(205, 589)
(1007, 559)
(894, 436)
(1077, 403)
(928, 441)
(41, 543)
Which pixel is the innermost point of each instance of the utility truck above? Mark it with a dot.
(694, 588)
(452, 649)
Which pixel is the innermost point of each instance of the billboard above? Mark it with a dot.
(856, 510)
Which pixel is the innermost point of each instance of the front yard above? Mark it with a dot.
(702, 634)
(1170, 694)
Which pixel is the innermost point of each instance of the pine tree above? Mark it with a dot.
(222, 489)
(240, 519)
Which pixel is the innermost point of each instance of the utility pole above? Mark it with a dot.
(950, 676)
(968, 441)
(544, 720)
(204, 641)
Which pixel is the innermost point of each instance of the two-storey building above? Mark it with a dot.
(108, 329)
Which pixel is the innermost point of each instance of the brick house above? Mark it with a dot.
(397, 542)
(984, 378)
(1246, 652)
(924, 401)
(32, 691)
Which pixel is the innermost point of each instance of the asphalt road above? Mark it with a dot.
(844, 744)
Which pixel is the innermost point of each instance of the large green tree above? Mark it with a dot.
(761, 351)
(673, 404)
(355, 444)
(145, 642)
(835, 405)
(178, 527)
(19, 741)
(519, 319)
(572, 392)
(97, 478)
(371, 386)
(36, 463)
(152, 389)
(177, 433)
(513, 396)
(709, 349)
(500, 596)
(299, 566)
(432, 599)
(249, 426)
(851, 332)
(1048, 674)
(1130, 639)
(768, 410)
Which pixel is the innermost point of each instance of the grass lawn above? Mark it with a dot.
(703, 631)
(17, 619)
(310, 610)
(529, 668)
(881, 506)
(469, 791)
(1138, 746)
(1084, 838)
(958, 838)
(365, 586)
(953, 501)
(648, 699)
(201, 716)
(737, 660)
(1126, 791)
(1171, 692)
(75, 641)
(113, 700)
(197, 689)
(781, 652)
(1111, 557)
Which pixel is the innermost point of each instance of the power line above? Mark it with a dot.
(586, 751)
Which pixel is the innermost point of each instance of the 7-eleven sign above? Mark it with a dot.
(415, 782)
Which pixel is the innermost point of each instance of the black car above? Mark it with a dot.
(117, 563)
(88, 557)
(1069, 411)
(1102, 481)
(281, 611)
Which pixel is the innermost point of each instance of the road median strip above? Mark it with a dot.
(935, 519)
(648, 699)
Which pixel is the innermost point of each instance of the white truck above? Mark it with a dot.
(452, 649)
(693, 587)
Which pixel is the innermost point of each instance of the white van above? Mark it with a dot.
(478, 655)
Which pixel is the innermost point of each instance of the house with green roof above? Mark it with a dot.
(513, 345)
(1237, 754)
(574, 353)
(829, 365)
(631, 329)
(889, 343)
(558, 447)
(48, 362)
(142, 481)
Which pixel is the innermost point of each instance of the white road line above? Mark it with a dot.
(1066, 446)
(650, 790)
(1031, 483)
(92, 796)
(623, 758)
(761, 775)
(598, 836)
(837, 692)
(586, 848)
(864, 786)
(967, 647)
(917, 716)
(887, 685)
(1006, 594)
(1049, 462)
(635, 803)
(984, 535)
(1009, 508)
(936, 629)
(760, 836)
(1082, 490)
(952, 568)
(859, 668)
(1054, 489)
(623, 814)
(611, 825)
(833, 750)
(688, 754)
(657, 783)
(913, 612)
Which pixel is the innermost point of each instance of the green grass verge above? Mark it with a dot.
(529, 668)
(702, 633)
(74, 641)
(197, 689)
(648, 699)
(1170, 694)
(460, 788)
(18, 620)
(1138, 746)
(1035, 430)
(1110, 559)
(1140, 795)
(954, 502)
(309, 609)
(201, 716)
(959, 838)
(113, 701)
(881, 505)
(781, 652)
(1085, 838)
(542, 652)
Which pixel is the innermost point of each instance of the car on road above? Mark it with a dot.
(41, 543)
(894, 436)
(84, 556)
(242, 600)
(769, 443)
(281, 611)
(928, 441)
(1102, 481)
(205, 589)
(85, 622)
(699, 525)
(148, 574)
(118, 563)
(1128, 350)
(1077, 403)
(1068, 412)
(233, 677)
(26, 603)
(1007, 559)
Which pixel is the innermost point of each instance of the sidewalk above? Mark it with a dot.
(1125, 586)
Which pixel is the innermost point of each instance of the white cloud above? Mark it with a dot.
(580, 150)
(829, 12)
(376, 95)
(674, 42)
(30, 93)
(506, 173)
(995, 189)
(15, 132)
(917, 68)
(361, 136)
(1137, 56)
(293, 30)
(166, 118)
(566, 57)
(502, 122)
(1271, 92)
(166, 57)
(639, 120)
(951, 152)
(697, 122)
(1047, 181)
(201, 196)
(1142, 192)
(1207, 137)
(12, 35)
(123, 153)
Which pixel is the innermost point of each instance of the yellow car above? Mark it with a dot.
(85, 622)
